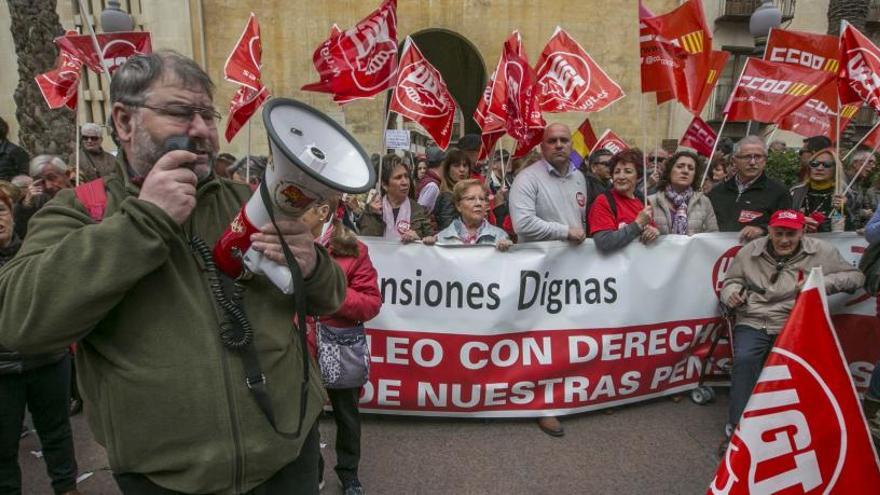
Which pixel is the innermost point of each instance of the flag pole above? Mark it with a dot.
(644, 143)
(749, 128)
(859, 172)
(78, 144)
(855, 146)
(772, 133)
(714, 147)
(95, 44)
(247, 156)
(837, 145)
(382, 148)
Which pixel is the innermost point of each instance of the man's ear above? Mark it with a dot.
(122, 120)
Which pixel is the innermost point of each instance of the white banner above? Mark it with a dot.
(397, 139)
(577, 330)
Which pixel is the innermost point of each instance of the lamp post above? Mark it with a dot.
(765, 17)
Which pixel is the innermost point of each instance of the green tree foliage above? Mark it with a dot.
(784, 166)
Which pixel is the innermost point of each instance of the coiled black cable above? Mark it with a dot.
(235, 330)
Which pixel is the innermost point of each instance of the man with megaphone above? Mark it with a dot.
(194, 382)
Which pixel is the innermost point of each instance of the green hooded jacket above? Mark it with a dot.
(162, 394)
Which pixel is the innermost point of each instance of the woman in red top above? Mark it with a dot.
(619, 216)
(362, 303)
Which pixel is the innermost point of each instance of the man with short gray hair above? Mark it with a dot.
(167, 343)
(94, 162)
(859, 204)
(745, 202)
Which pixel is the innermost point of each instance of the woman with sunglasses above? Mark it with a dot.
(816, 197)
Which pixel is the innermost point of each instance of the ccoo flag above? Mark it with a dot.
(421, 95)
(768, 91)
(803, 430)
(359, 62)
(570, 81)
(699, 136)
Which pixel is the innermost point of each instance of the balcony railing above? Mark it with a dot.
(719, 99)
(741, 10)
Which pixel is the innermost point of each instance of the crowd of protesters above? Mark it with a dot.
(439, 198)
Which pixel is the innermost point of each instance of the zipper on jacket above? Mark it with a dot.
(238, 460)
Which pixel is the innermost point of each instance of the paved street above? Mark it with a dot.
(655, 447)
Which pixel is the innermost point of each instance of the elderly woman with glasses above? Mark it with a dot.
(471, 227)
(816, 197)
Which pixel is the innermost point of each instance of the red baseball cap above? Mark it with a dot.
(787, 219)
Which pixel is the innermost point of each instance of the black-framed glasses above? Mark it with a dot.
(819, 163)
(753, 157)
(183, 114)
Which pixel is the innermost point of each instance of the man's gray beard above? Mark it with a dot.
(146, 152)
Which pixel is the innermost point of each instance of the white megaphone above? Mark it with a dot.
(313, 157)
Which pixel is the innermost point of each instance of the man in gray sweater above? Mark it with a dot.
(547, 202)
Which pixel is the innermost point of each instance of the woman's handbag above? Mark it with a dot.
(343, 356)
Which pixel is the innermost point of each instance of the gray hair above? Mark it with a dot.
(40, 162)
(750, 140)
(860, 155)
(92, 129)
(139, 72)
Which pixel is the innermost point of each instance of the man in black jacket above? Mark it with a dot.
(13, 160)
(745, 202)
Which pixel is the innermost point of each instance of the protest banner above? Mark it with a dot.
(397, 139)
(550, 328)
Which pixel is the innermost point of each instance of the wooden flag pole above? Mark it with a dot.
(247, 156)
(772, 133)
(714, 147)
(837, 145)
(855, 147)
(859, 172)
(78, 143)
(644, 143)
(382, 148)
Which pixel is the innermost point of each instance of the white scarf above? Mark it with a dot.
(394, 227)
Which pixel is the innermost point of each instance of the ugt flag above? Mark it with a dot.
(361, 61)
(570, 81)
(860, 68)
(244, 104)
(116, 48)
(59, 85)
(491, 127)
(768, 91)
(514, 97)
(803, 430)
(699, 136)
(611, 142)
(421, 95)
(244, 64)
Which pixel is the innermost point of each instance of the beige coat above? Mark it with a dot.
(701, 215)
(753, 266)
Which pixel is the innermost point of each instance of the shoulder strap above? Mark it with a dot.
(612, 203)
(93, 196)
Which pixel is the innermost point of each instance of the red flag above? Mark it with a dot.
(245, 102)
(816, 118)
(362, 61)
(116, 48)
(860, 68)
(59, 85)
(244, 63)
(514, 98)
(872, 139)
(717, 61)
(768, 91)
(570, 81)
(421, 95)
(611, 142)
(588, 134)
(803, 430)
(676, 49)
(699, 136)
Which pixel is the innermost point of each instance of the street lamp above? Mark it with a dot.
(114, 19)
(765, 17)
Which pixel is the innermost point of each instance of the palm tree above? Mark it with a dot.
(853, 11)
(34, 25)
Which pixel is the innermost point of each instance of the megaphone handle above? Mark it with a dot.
(299, 298)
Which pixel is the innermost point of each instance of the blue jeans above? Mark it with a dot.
(750, 349)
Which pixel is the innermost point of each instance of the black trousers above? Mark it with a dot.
(750, 349)
(300, 477)
(348, 432)
(45, 391)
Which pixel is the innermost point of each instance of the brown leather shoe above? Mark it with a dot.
(551, 426)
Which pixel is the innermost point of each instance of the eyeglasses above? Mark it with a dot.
(749, 158)
(91, 138)
(184, 114)
(819, 163)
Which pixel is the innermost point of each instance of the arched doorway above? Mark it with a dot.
(461, 65)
